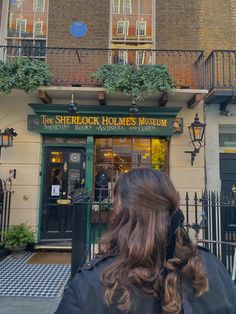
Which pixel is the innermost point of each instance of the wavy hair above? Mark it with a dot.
(144, 201)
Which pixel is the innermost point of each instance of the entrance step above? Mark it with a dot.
(53, 246)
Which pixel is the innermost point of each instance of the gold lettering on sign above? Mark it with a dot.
(103, 121)
(152, 121)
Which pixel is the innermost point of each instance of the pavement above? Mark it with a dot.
(28, 305)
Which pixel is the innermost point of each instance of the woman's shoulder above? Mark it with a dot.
(92, 270)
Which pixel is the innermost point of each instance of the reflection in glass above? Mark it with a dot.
(74, 182)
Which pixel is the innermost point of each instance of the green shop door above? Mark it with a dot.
(64, 175)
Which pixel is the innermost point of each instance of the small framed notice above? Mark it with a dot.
(55, 190)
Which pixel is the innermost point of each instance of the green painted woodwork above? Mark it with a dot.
(89, 181)
(113, 121)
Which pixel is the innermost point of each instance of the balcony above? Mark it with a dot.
(75, 66)
(220, 77)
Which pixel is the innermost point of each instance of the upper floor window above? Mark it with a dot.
(122, 28)
(141, 27)
(39, 5)
(21, 25)
(116, 7)
(38, 28)
(127, 6)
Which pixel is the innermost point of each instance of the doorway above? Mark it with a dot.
(64, 175)
(228, 172)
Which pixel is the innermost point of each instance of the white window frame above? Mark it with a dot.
(123, 56)
(140, 55)
(41, 28)
(127, 9)
(125, 28)
(138, 23)
(20, 24)
(36, 6)
(116, 6)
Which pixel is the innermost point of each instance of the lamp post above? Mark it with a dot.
(196, 132)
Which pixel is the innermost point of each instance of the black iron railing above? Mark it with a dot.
(5, 202)
(220, 69)
(75, 66)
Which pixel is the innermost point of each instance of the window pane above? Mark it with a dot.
(56, 157)
(159, 154)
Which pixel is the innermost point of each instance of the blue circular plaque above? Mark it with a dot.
(78, 29)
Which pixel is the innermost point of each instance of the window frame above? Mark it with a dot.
(20, 24)
(41, 28)
(125, 28)
(115, 6)
(138, 23)
(36, 6)
(123, 57)
(127, 5)
(138, 54)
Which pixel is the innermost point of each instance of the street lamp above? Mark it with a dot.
(6, 137)
(73, 106)
(196, 132)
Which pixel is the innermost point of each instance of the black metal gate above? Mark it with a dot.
(5, 201)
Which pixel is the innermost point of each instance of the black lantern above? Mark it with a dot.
(73, 107)
(133, 109)
(6, 137)
(196, 132)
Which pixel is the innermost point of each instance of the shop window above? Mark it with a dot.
(116, 7)
(114, 156)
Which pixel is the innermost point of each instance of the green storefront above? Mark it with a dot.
(90, 150)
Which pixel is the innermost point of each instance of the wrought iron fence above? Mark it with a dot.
(220, 69)
(76, 66)
(5, 201)
(210, 218)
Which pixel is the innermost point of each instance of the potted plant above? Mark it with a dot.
(17, 237)
(138, 83)
(23, 73)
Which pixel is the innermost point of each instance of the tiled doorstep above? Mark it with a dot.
(17, 278)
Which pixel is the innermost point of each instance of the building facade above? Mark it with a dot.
(56, 153)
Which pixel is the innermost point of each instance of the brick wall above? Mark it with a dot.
(94, 13)
(215, 24)
(176, 24)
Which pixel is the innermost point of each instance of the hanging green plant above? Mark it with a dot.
(136, 82)
(23, 73)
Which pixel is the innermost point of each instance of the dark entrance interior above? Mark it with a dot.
(64, 176)
(228, 172)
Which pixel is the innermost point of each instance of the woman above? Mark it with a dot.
(148, 264)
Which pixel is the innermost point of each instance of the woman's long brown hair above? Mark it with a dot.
(144, 200)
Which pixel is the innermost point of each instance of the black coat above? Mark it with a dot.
(85, 294)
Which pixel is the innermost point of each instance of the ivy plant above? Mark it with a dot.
(23, 73)
(136, 82)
